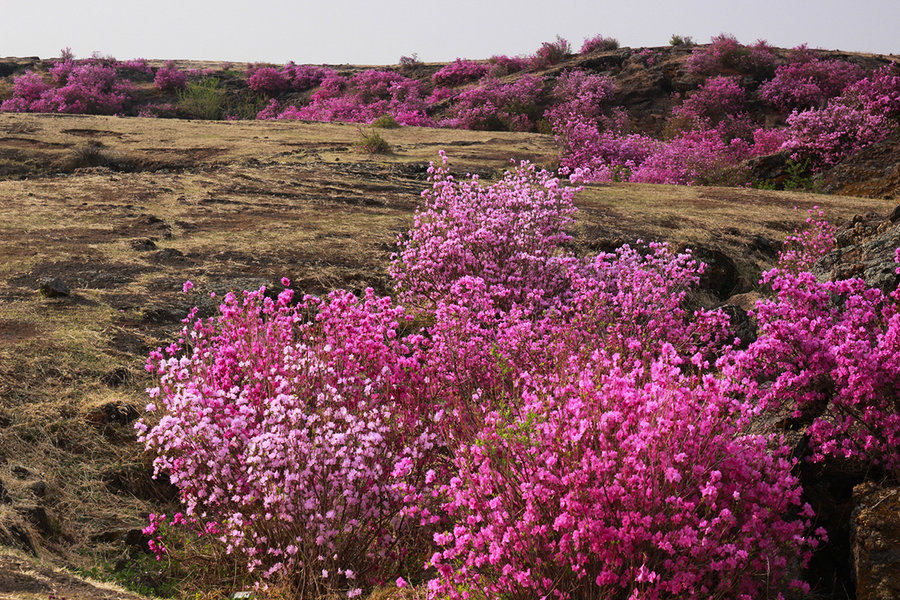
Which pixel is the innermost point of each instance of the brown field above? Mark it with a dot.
(125, 210)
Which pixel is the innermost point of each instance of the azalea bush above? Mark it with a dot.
(809, 84)
(508, 233)
(459, 72)
(599, 43)
(826, 353)
(496, 106)
(169, 78)
(294, 433)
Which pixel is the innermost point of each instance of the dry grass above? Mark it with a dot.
(230, 206)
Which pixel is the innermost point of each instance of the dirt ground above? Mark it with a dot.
(123, 211)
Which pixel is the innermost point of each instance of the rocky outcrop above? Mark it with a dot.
(872, 172)
(876, 542)
(865, 249)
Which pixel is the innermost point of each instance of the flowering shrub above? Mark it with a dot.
(578, 94)
(169, 78)
(598, 43)
(28, 89)
(361, 98)
(827, 351)
(717, 98)
(87, 87)
(268, 80)
(551, 53)
(724, 53)
(496, 106)
(696, 158)
(459, 72)
(588, 464)
(864, 114)
(611, 482)
(501, 65)
(809, 84)
(507, 233)
(294, 435)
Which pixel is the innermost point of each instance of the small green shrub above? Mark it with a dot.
(204, 99)
(678, 40)
(386, 122)
(371, 142)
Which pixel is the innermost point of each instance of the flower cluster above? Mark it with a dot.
(459, 72)
(809, 84)
(599, 43)
(169, 78)
(493, 105)
(508, 234)
(294, 435)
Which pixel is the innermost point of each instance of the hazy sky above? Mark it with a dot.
(379, 32)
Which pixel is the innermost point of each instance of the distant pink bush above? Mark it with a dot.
(810, 84)
(723, 54)
(717, 98)
(268, 80)
(496, 106)
(701, 157)
(578, 94)
(864, 114)
(599, 43)
(459, 72)
(169, 78)
(551, 53)
(502, 65)
(361, 98)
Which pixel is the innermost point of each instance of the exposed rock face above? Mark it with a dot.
(873, 172)
(865, 249)
(876, 542)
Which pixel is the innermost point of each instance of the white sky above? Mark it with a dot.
(379, 32)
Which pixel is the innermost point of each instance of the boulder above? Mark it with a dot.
(53, 287)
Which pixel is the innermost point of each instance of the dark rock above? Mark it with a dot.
(20, 471)
(168, 255)
(131, 537)
(16, 535)
(138, 481)
(53, 287)
(143, 245)
(161, 314)
(895, 216)
(876, 542)
(117, 412)
(117, 377)
(742, 326)
(764, 246)
(38, 517)
(771, 168)
(4, 495)
(720, 275)
(38, 488)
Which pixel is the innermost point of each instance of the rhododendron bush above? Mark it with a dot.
(527, 422)
(294, 435)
